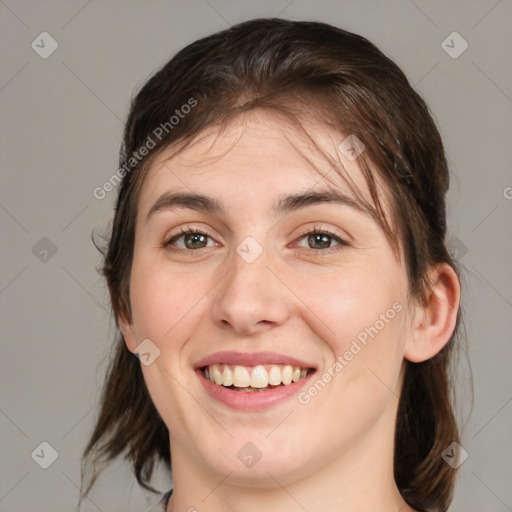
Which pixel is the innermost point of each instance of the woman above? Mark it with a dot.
(277, 263)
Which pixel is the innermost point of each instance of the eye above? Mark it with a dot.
(192, 239)
(320, 240)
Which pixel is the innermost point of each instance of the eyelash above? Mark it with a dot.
(315, 231)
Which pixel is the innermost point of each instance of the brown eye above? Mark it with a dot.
(191, 240)
(194, 240)
(321, 240)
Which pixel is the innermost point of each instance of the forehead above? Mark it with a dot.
(257, 153)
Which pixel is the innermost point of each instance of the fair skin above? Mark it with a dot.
(307, 301)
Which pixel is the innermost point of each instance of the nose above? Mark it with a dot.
(251, 298)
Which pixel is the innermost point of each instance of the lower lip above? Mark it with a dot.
(251, 401)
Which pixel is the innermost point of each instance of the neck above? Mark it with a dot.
(361, 480)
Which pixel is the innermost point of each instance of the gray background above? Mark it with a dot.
(62, 120)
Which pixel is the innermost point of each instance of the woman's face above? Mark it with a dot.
(255, 289)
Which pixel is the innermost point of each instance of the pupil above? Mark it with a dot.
(195, 237)
(318, 239)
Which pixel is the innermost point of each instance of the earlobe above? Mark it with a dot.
(434, 322)
(127, 331)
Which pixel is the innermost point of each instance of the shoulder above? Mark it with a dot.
(161, 506)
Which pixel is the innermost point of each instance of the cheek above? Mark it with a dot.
(162, 301)
(354, 304)
(361, 316)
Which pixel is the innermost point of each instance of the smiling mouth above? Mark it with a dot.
(251, 379)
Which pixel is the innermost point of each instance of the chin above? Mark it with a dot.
(259, 464)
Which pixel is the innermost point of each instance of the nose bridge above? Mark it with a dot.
(250, 296)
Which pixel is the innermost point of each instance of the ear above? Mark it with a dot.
(434, 322)
(128, 333)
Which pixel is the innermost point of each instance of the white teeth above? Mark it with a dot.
(241, 377)
(227, 376)
(274, 376)
(287, 374)
(217, 377)
(255, 377)
(259, 377)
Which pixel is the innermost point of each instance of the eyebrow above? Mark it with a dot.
(288, 203)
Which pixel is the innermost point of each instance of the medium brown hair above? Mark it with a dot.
(303, 70)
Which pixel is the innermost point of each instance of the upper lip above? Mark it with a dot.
(250, 359)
